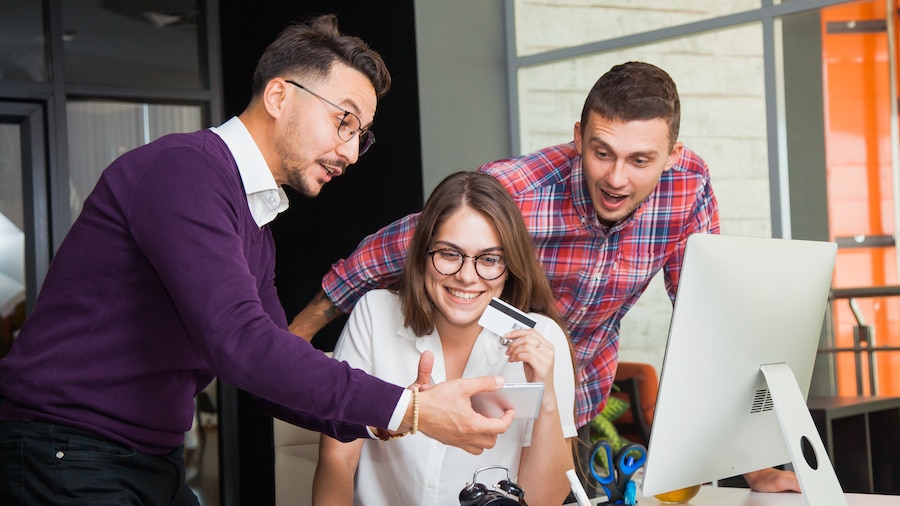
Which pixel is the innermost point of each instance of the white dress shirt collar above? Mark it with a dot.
(265, 197)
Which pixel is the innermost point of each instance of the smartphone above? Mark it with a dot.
(525, 398)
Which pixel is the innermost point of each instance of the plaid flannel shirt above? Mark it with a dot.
(596, 272)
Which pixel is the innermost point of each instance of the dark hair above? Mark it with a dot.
(526, 285)
(312, 48)
(635, 91)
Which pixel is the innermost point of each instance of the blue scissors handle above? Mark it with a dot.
(602, 466)
(629, 459)
(614, 471)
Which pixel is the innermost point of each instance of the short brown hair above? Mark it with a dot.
(526, 286)
(312, 48)
(635, 91)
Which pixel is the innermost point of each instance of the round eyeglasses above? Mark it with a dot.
(448, 261)
(350, 123)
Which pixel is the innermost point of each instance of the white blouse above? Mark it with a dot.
(417, 469)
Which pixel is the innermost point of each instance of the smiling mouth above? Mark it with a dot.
(463, 295)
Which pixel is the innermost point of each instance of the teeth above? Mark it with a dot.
(463, 295)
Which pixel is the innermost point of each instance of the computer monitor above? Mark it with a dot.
(742, 341)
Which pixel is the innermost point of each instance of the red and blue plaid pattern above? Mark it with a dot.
(596, 272)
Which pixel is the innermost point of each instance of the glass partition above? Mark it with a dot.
(151, 43)
(22, 42)
(12, 236)
(543, 25)
(100, 131)
(796, 115)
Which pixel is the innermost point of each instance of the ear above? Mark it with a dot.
(274, 97)
(674, 155)
(577, 136)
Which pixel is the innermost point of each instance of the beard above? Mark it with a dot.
(299, 180)
(298, 171)
(302, 173)
(612, 219)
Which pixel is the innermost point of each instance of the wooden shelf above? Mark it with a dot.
(862, 437)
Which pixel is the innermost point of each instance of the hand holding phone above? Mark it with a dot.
(525, 398)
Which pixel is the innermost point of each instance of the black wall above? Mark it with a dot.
(384, 185)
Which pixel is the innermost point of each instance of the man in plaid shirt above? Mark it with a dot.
(606, 212)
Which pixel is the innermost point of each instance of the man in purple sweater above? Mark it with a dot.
(166, 280)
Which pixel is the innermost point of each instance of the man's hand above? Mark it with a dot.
(318, 313)
(423, 379)
(772, 480)
(446, 414)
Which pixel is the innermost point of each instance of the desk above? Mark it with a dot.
(725, 496)
(862, 437)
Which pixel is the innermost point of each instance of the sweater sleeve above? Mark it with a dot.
(193, 229)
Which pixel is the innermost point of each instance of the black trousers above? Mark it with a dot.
(45, 463)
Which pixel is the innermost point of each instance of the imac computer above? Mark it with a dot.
(742, 341)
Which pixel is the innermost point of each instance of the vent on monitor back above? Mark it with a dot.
(762, 401)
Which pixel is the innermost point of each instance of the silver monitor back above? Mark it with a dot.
(741, 303)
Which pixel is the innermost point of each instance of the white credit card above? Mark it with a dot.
(501, 318)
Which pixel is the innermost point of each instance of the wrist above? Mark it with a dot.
(549, 402)
(412, 413)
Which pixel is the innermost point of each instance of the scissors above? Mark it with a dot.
(615, 470)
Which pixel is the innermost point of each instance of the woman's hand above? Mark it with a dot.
(536, 353)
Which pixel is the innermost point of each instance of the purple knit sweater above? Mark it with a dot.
(164, 282)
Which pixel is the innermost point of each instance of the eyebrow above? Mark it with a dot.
(351, 106)
(597, 142)
(450, 245)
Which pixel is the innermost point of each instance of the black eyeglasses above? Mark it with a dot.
(350, 123)
(448, 261)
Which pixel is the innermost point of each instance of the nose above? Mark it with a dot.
(617, 177)
(467, 272)
(348, 150)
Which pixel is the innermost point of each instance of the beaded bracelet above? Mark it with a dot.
(387, 436)
(415, 426)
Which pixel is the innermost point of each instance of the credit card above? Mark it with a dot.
(500, 318)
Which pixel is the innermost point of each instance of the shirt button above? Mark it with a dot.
(60, 454)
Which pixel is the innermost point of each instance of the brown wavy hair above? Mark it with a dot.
(526, 285)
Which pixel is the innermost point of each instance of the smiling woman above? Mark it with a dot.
(470, 245)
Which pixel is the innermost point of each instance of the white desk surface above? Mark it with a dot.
(726, 496)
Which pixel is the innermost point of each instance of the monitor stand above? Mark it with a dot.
(815, 473)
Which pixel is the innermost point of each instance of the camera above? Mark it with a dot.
(503, 493)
